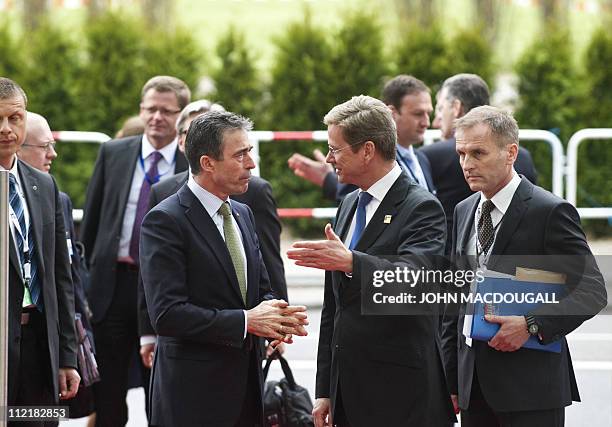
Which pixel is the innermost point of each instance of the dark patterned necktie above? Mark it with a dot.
(33, 283)
(151, 177)
(485, 226)
(364, 199)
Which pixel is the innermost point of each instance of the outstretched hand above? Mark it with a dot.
(329, 254)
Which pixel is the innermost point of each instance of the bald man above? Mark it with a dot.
(38, 151)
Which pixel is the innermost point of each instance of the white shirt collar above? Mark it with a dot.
(13, 169)
(380, 188)
(503, 197)
(168, 152)
(210, 202)
(405, 151)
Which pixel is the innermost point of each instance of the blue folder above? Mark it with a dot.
(484, 331)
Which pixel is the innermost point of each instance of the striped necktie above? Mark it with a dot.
(27, 258)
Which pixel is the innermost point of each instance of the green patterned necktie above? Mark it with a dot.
(233, 246)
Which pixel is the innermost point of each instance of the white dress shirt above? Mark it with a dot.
(378, 191)
(165, 167)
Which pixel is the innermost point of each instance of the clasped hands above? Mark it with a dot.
(329, 254)
(278, 321)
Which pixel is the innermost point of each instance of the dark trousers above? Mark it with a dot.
(340, 419)
(251, 414)
(116, 342)
(35, 386)
(480, 414)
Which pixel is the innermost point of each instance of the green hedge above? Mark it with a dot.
(94, 83)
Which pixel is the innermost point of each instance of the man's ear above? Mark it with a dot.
(207, 164)
(457, 107)
(394, 112)
(369, 150)
(512, 153)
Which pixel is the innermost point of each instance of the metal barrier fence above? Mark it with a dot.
(572, 170)
(4, 278)
(558, 161)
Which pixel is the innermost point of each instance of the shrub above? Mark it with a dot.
(238, 86)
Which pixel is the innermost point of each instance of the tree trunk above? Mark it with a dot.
(158, 14)
(486, 17)
(420, 12)
(33, 13)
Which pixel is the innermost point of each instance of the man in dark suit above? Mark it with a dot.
(511, 223)
(410, 102)
(117, 198)
(374, 370)
(207, 288)
(42, 354)
(38, 151)
(458, 95)
(258, 197)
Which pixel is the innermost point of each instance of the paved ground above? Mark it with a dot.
(590, 346)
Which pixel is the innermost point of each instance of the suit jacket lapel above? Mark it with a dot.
(388, 206)
(181, 162)
(127, 161)
(512, 218)
(345, 214)
(464, 228)
(203, 223)
(31, 191)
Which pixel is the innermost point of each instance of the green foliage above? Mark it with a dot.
(238, 87)
(359, 61)
(300, 94)
(114, 72)
(548, 94)
(424, 54)
(173, 54)
(469, 52)
(11, 58)
(51, 76)
(595, 157)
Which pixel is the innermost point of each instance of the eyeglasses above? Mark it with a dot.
(47, 146)
(163, 111)
(333, 151)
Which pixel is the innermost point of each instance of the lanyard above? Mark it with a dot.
(159, 175)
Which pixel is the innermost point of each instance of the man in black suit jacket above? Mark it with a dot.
(258, 197)
(511, 223)
(409, 100)
(42, 354)
(374, 370)
(117, 197)
(457, 96)
(207, 288)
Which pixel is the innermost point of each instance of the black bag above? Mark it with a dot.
(286, 404)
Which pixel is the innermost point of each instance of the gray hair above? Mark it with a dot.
(362, 119)
(501, 124)
(399, 86)
(470, 89)
(206, 133)
(198, 107)
(10, 89)
(169, 84)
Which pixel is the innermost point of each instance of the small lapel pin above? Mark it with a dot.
(237, 215)
(34, 188)
(387, 219)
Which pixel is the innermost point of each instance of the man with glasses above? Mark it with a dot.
(117, 198)
(374, 370)
(409, 100)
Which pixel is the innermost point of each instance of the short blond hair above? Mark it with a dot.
(501, 124)
(362, 119)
